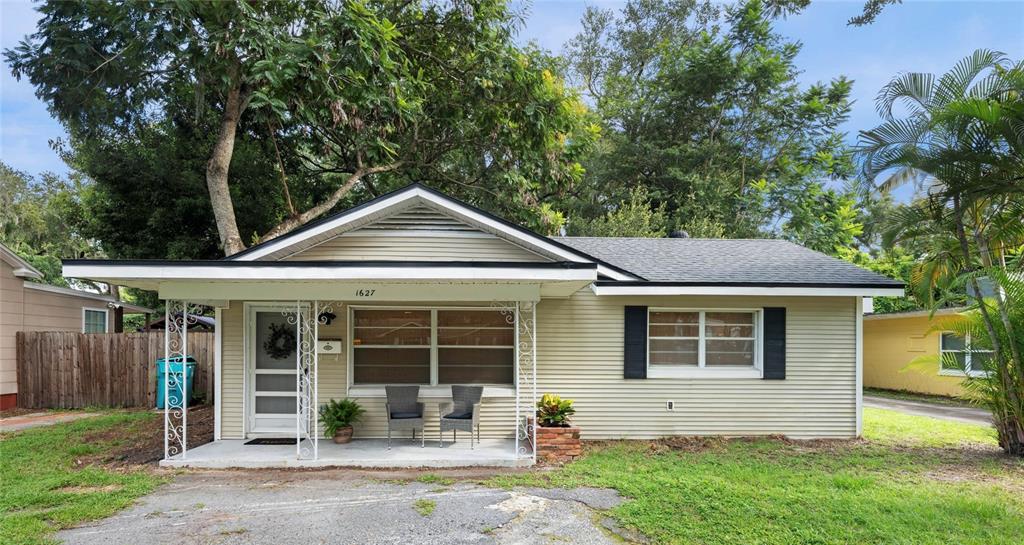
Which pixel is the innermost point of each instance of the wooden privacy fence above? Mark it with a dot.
(66, 370)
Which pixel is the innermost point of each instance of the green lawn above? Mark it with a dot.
(914, 480)
(47, 480)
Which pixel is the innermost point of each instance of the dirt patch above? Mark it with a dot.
(89, 489)
(18, 411)
(143, 443)
(961, 474)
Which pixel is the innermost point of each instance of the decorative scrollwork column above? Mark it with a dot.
(304, 317)
(526, 379)
(178, 317)
(522, 315)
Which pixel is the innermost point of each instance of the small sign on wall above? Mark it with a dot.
(329, 346)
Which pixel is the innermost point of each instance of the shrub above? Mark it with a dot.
(336, 415)
(553, 411)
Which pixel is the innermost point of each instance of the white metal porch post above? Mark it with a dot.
(176, 322)
(526, 378)
(307, 330)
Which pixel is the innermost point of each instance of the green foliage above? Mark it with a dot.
(632, 218)
(703, 109)
(872, 9)
(894, 263)
(913, 480)
(337, 414)
(961, 139)
(553, 411)
(39, 220)
(148, 198)
(45, 486)
(413, 91)
(823, 220)
(1001, 386)
(424, 507)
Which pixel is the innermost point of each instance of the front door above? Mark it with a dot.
(272, 372)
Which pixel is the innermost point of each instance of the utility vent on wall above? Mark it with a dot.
(417, 218)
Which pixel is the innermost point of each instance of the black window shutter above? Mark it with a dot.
(774, 343)
(635, 349)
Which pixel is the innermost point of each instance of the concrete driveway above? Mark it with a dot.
(338, 506)
(969, 415)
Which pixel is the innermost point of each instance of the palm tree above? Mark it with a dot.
(960, 141)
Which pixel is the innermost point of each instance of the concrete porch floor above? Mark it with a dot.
(370, 453)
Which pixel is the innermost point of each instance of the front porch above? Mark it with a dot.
(364, 453)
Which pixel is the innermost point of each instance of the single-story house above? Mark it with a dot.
(650, 337)
(32, 306)
(893, 341)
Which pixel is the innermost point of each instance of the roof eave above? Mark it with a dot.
(603, 288)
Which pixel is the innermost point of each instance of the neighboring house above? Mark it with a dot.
(202, 323)
(892, 341)
(31, 306)
(650, 337)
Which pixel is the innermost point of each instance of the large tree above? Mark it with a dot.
(960, 136)
(39, 220)
(419, 90)
(701, 105)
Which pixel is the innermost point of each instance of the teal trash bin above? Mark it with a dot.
(174, 366)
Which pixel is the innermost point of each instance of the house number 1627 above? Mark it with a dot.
(364, 293)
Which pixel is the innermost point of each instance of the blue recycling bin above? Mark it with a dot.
(174, 365)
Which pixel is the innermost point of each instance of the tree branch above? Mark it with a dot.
(318, 210)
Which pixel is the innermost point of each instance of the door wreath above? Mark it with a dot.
(281, 342)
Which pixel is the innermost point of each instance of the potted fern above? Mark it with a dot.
(337, 418)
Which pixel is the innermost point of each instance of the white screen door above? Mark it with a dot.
(272, 385)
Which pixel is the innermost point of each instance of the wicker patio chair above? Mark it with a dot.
(404, 411)
(461, 413)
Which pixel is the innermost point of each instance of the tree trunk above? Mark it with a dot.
(217, 174)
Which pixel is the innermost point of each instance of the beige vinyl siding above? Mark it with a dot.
(25, 309)
(579, 356)
(580, 340)
(232, 364)
(476, 247)
(12, 297)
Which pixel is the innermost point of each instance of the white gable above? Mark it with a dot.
(419, 212)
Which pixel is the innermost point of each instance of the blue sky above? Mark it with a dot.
(916, 36)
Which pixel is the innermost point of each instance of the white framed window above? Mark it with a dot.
(430, 346)
(94, 320)
(703, 343)
(958, 357)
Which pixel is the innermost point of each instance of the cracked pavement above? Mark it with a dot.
(342, 507)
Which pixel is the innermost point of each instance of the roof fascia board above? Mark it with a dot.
(838, 291)
(22, 268)
(306, 271)
(71, 292)
(915, 314)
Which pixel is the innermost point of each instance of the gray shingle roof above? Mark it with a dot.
(726, 261)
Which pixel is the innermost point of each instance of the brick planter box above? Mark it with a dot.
(558, 445)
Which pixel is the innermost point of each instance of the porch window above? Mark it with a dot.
(698, 339)
(436, 346)
(391, 346)
(958, 356)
